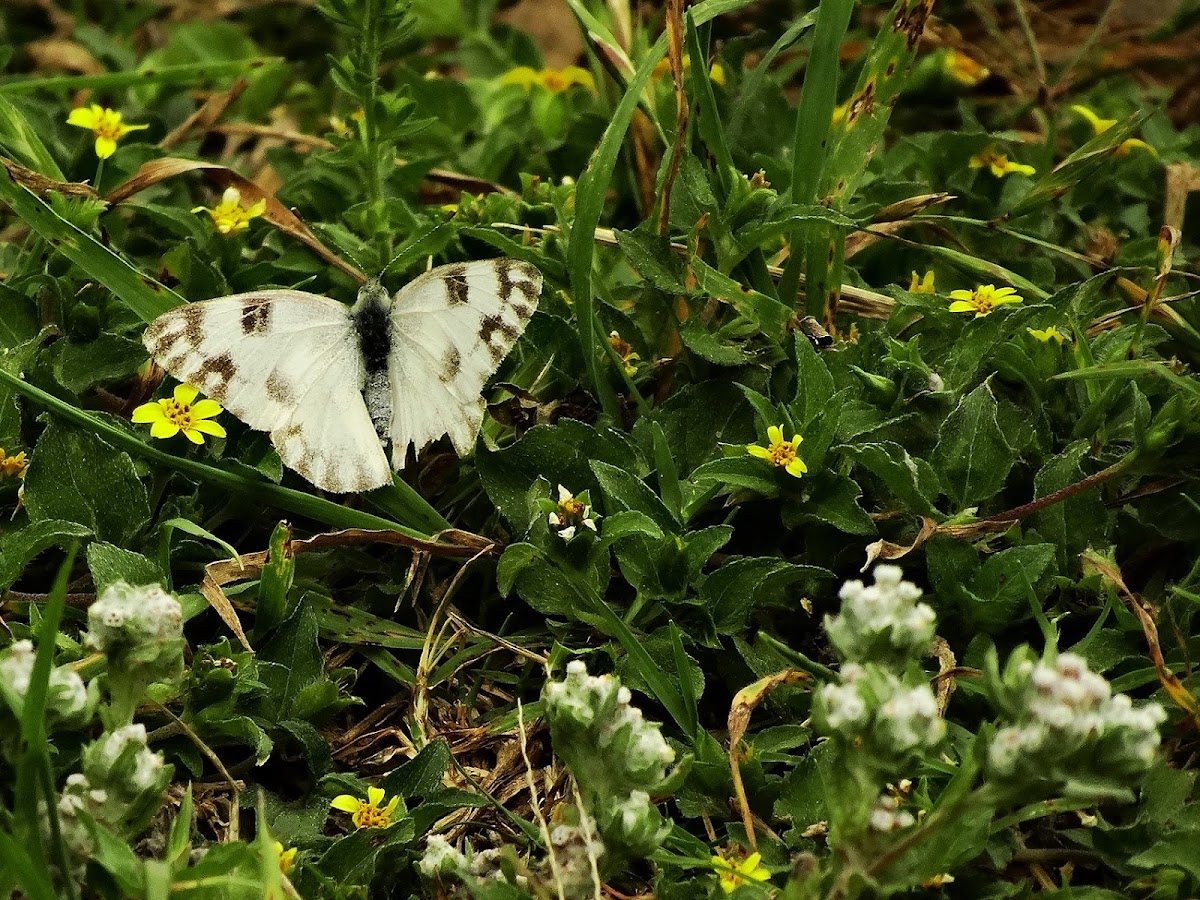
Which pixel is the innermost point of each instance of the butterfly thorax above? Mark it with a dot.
(371, 321)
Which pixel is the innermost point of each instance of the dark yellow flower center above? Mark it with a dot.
(371, 816)
(571, 511)
(108, 125)
(179, 413)
(782, 453)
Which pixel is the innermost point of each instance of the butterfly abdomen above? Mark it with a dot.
(374, 339)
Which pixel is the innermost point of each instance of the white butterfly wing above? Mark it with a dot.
(450, 330)
(284, 362)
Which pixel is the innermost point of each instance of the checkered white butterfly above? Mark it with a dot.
(329, 382)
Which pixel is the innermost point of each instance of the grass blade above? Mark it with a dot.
(813, 119)
(141, 293)
(167, 75)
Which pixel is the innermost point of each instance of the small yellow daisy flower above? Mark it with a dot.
(999, 163)
(13, 466)
(1048, 334)
(779, 452)
(554, 80)
(230, 216)
(286, 857)
(1099, 126)
(105, 124)
(625, 351)
(182, 412)
(920, 285)
(983, 299)
(963, 69)
(734, 874)
(367, 813)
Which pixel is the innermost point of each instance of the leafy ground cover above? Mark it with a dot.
(833, 528)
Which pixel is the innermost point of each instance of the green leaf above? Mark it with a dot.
(105, 359)
(141, 293)
(1176, 849)
(1002, 584)
(628, 522)
(18, 547)
(912, 481)
(739, 472)
(558, 453)
(422, 775)
(625, 491)
(21, 141)
(300, 664)
(833, 500)
(109, 564)
(733, 591)
(972, 458)
(74, 475)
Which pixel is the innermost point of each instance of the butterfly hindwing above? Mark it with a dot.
(450, 330)
(285, 362)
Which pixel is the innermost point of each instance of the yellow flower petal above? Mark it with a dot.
(147, 413)
(193, 435)
(204, 426)
(775, 434)
(522, 76)
(961, 295)
(962, 306)
(164, 428)
(375, 795)
(757, 451)
(796, 467)
(392, 804)
(105, 147)
(83, 117)
(185, 394)
(346, 803)
(206, 409)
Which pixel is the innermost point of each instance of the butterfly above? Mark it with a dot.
(330, 382)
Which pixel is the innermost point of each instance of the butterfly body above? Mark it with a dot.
(328, 381)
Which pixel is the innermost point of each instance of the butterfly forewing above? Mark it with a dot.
(450, 330)
(285, 362)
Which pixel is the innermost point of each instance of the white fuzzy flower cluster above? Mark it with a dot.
(875, 707)
(1071, 718)
(67, 701)
(602, 705)
(441, 859)
(125, 776)
(133, 615)
(570, 514)
(882, 623)
(888, 816)
(577, 851)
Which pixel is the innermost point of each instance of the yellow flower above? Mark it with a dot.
(1099, 126)
(13, 466)
(367, 813)
(554, 80)
(286, 857)
(230, 216)
(1048, 334)
(983, 299)
(625, 351)
(780, 453)
(963, 69)
(182, 412)
(999, 163)
(105, 123)
(735, 874)
(716, 72)
(920, 285)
